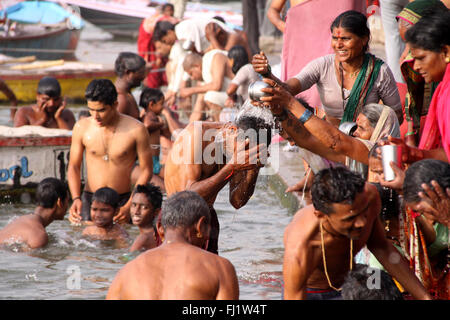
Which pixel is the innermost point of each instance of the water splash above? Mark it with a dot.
(259, 112)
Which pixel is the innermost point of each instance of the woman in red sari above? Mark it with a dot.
(147, 50)
(429, 41)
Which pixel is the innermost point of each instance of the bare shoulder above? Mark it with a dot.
(302, 228)
(82, 124)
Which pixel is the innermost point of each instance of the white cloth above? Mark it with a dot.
(207, 68)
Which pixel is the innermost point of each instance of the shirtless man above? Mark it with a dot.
(111, 141)
(214, 70)
(50, 109)
(145, 207)
(105, 204)
(231, 160)
(52, 200)
(322, 236)
(178, 269)
(130, 70)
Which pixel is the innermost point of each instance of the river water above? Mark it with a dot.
(251, 237)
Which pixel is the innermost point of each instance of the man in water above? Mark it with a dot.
(112, 142)
(130, 70)
(52, 200)
(178, 269)
(145, 207)
(105, 205)
(230, 159)
(323, 238)
(50, 109)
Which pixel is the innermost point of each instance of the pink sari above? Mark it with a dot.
(307, 36)
(436, 132)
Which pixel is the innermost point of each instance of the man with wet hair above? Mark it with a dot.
(207, 155)
(130, 70)
(50, 109)
(111, 142)
(52, 201)
(323, 238)
(179, 269)
(145, 207)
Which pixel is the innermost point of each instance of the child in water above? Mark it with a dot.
(105, 205)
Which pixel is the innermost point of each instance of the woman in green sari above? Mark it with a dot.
(346, 80)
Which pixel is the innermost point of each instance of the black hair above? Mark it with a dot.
(166, 5)
(161, 29)
(423, 172)
(259, 125)
(128, 61)
(49, 86)
(361, 284)
(108, 196)
(219, 18)
(432, 32)
(101, 90)
(49, 191)
(150, 95)
(239, 56)
(184, 209)
(354, 22)
(335, 185)
(152, 192)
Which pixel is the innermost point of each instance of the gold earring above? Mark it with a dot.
(447, 59)
(199, 235)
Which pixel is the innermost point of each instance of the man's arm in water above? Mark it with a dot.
(242, 186)
(74, 171)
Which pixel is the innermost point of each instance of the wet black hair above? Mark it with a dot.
(259, 125)
(128, 62)
(101, 90)
(335, 185)
(424, 171)
(239, 56)
(432, 32)
(152, 192)
(49, 190)
(49, 86)
(360, 284)
(150, 95)
(184, 209)
(108, 196)
(161, 29)
(354, 22)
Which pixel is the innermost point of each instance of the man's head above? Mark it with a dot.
(49, 94)
(192, 64)
(168, 9)
(365, 283)
(338, 197)
(145, 204)
(187, 213)
(420, 172)
(101, 96)
(164, 32)
(130, 67)
(152, 99)
(53, 193)
(105, 205)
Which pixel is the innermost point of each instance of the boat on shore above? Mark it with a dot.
(23, 75)
(123, 17)
(40, 28)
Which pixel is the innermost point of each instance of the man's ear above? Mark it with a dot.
(160, 230)
(201, 228)
(319, 214)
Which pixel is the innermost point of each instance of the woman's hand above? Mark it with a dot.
(260, 63)
(440, 201)
(279, 98)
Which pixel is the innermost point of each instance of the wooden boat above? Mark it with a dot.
(73, 76)
(39, 28)
(123, 17)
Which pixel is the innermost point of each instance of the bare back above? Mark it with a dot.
(27, 230)
(127, 104)
(176, 271)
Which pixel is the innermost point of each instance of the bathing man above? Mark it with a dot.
(178, 269)
(52, 200)
(111, 141)
(230, 159)
(323, 238)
